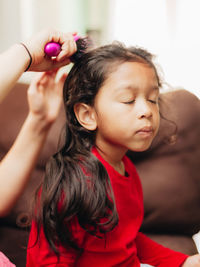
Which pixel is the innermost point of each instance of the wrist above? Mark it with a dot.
(30, 56)
(39, 123)
(18, 51)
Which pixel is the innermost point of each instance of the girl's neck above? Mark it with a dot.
(113, 157)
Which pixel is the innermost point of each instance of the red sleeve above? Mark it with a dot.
(152, 253)
(40, 254)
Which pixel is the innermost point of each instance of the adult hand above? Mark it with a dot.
(45, 96)
(36, 44)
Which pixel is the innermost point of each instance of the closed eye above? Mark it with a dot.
(153, 101)
(129, 102)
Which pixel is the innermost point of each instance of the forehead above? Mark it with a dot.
(132, 74)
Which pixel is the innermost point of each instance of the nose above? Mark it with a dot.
(143, 109)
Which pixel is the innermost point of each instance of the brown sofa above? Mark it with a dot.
(170, 174)
(169, 170)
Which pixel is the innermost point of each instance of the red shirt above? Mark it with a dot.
(124, 246)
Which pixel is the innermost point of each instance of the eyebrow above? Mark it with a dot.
(156, 88)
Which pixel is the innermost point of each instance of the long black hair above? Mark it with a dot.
(76, 184)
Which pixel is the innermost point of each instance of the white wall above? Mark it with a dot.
(167, 28)
(9, 23)
(20, 19)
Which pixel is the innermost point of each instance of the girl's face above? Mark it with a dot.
(126, 109)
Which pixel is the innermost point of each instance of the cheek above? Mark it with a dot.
(111, 120)
(107, 111)
(157, 120)
(107, 119)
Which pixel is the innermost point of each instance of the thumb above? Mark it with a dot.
(62, 79)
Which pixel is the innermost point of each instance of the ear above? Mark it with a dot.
(85, 115)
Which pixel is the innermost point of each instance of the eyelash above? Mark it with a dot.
(153, 101)
(129, 102)
(132, 101)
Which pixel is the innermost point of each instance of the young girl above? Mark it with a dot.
(90, 206)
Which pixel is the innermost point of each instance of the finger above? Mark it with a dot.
(53, 72)
(46, 80)
(38, 77)
(60, 82)
(66, 37)
(64, 76)
(68, 45)
(35, 82)
(72, 48)
(62, 38)
(62, 79)
(65, 52)
(67, 49)
(43, 80)
(58, 64)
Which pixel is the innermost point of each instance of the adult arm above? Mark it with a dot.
(15, 60)
(13, 63)
(45, 96)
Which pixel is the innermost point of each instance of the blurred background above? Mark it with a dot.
(167, 28)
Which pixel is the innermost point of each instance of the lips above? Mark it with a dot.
(145, 131)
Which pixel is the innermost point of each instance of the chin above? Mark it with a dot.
(141, 147)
